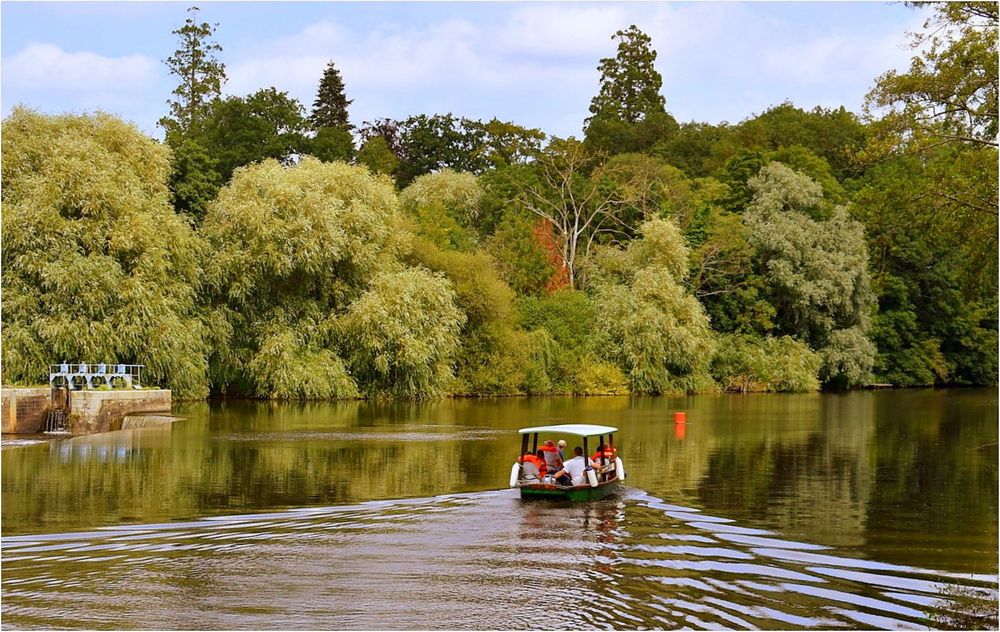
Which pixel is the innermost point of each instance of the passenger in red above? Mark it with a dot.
(537, 459)
(604, 450)
(552, 460)
(609, 456)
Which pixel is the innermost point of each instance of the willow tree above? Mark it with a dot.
(445, 205)
(401, 335)
(647, 323)
(291, 248)
(816, 270)
(96, 264)
(297, 252)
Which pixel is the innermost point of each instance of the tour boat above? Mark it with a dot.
(599, 481)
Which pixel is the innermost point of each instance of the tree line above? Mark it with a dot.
(262, 250)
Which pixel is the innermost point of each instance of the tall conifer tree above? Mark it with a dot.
(201, 75)
(630, 85)
(330, 106)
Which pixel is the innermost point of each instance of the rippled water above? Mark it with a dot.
(859, 511)
(481, 561)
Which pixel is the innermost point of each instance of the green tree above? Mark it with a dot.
(935, 274)
(194, 178)
(522, 260)
(646, 322)
(402, 334)
(835, 135)
(331, 143)
(243, 130)
(96, 264)
(816, 270)
(563, 323)
(724, 279)
(630, 84)
(292, 249)
(200, 73)
(376, 155)
(496, 357)
(499, 143)
(330, 107)
(627, 114)
(697, 149)
(949, 93)
(746, 364)
(445, 205)
(615, 136)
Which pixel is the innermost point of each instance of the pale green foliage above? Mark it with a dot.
(593, 377)
(323, 227)
(816, 271)
(778, 187)
(495, 357)
(286, 368)
(445, 204)
(403, 334)
(655, 331)
(848, 357)
(96, 265)
(745, 363)
(662, 245)
(292, 248)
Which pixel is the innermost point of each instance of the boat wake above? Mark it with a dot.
(472, 561)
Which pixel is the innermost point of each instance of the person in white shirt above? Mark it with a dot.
(574, 471)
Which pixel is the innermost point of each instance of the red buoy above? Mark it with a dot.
(680, 418)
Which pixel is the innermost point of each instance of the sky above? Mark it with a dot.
(531, 63)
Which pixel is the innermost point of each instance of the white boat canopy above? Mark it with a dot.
(580, 430)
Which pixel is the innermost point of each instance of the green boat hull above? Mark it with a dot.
(575, 494)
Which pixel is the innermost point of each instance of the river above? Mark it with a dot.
(858, 510)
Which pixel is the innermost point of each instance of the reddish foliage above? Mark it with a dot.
(546, 238)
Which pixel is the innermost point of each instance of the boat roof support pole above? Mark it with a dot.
(524, 445)
(534, 443)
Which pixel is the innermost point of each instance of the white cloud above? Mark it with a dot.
(561, 31)
(46, 67)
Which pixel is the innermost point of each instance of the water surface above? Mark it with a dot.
(864, 510)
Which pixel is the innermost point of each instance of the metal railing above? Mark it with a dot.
(86, 375)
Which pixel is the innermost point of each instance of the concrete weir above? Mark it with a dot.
(24, 410)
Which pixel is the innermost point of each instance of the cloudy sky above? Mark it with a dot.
(532, 63)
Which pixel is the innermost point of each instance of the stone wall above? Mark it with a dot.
(22, 410)
(102, 411)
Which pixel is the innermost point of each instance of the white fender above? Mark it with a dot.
(620, 468)
(515, 473)
(592, 477)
